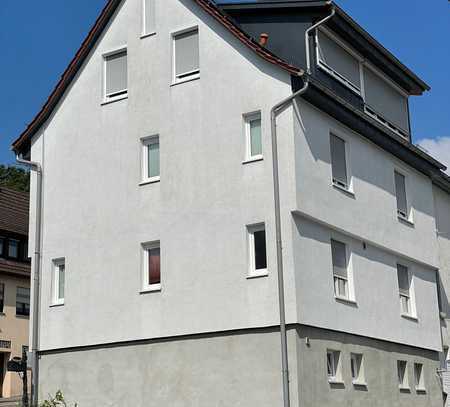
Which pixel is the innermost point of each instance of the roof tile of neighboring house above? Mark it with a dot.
(14, 207)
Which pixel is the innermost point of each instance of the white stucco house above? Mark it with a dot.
(156, 279)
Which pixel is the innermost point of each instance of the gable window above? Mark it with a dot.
(404, 286)
(59, 278)
(340, 269)
(148, 17)
(402, 372)
(253, 136)
(116, 75)
(333, 366)
(257, 250)
(151, 267)
(150, 159)
(338, 61)
(418, 377)
(338, 162)
(13, 248)
(23, 301)
(186, 64)
(356, 367)
(2, 297)
(400, 193)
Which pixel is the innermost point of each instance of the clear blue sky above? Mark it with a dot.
(39, 39)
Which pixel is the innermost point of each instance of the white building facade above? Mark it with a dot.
(158, 280)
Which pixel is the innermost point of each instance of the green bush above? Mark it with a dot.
(57, 401)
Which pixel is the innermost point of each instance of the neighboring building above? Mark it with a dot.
(14, 286)
(159, 277)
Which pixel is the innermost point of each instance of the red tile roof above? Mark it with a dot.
(14, 207)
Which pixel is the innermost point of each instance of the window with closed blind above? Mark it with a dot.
(148, 17)
(186, 64)
(151, 267)
(116, 75)
(339, 162)
(401, 196)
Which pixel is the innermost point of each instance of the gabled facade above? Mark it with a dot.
(159, 275)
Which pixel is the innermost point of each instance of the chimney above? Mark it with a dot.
(263, 39)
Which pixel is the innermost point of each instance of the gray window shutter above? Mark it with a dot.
(339, 257)
(116, 73)
(338, 161)
(400, 192)
(338, 59)
(385, 100)
(403, 279)
(149, 16)
(186, 53)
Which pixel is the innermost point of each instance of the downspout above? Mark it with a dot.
(276, 194)
(34, 166)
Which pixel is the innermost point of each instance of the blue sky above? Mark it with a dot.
(39, 40)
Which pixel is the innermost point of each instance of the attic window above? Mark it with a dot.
(116, 86)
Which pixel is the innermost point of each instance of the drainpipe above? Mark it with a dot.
(276, 194)
(34, 166)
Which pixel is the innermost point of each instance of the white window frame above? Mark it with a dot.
(148, 28)
(412, 314)
(419, 382)
(187, 76)
(350, 287)
(403, 384)
(56, 264)
(145, 142)
(123, 94)
(248, 118)
(340, 134)
(358, 360)
(145, 286)
(409, 218)
(252, 272)
(336, 363)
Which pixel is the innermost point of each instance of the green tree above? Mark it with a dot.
(14, 178)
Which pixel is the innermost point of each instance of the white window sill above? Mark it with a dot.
(421, 389)
(359, 383)
(258, 274)
(146, 35)
(404, 388)
(151, 289)
(187, 79)
(347, 191)
(114, 99)
(150, 181)
(405, 220)
(57, 304)
(410, 317)
(254, 159)
(335, 381)
(345, 300)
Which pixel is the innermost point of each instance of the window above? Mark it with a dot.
(338, 161)
(2, 246)
(333, 366)
(418, 377)
(2, 297)
(59, 277)
(23, 301)
(338, 62)
(404, 285)
(151, 267)
(402, 371)
(13, 248)
(340, 269)
(116, 76)
(186, 56)
(150, 159)
(253, 136)
(148, 17)
(257, 250)
(400, 192)
(356, 366)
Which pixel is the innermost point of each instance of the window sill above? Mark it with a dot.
(358, 383)
(346, 191)
(345, 300)
(150, 34)
(254, 159)
(114, 99)
(405, 221)
(151, 289)
(150, 181)
(57, 304)
(22, 316)
(336, 381)
(258, 275)
(421, 390)
(188, 79)
(410, 317)
(404, 389)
